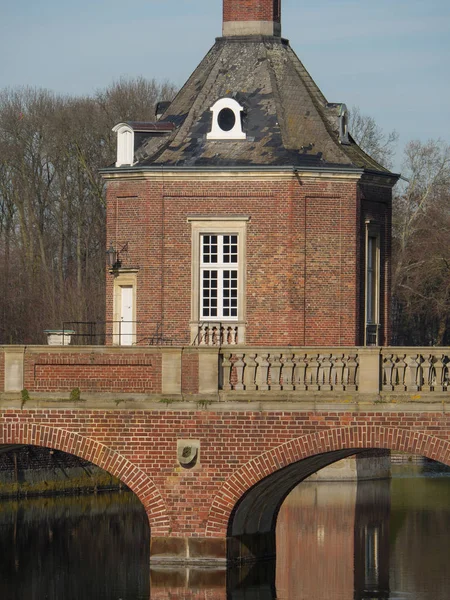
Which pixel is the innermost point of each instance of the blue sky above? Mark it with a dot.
(389, 57)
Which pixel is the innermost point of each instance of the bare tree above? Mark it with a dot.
(370, 136)
(421, 266)
(52, 218)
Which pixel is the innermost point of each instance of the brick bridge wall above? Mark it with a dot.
(238, 448)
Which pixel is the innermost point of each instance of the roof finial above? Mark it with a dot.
(252, 17)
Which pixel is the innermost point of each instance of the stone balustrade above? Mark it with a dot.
(289, 370)
(227, 371)
(389, 369)
(219, 334)
(416, 369)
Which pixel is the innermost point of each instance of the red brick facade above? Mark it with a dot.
(305, 264)
(94, 371)
(237, 450)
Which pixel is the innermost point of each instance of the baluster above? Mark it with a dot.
(312, 373)
(388, 370)
(445, 373)
(239, 370)
(438, 384)
(262, 372)
(231, 336)
(412, 373)
(287, 372)
(300, 365)
(399, 373)
(226, 370)
(202, 336)
(250, 372)
(337, 374)
(325, 372)
(275, 372)
(426, 373)
(352, 373)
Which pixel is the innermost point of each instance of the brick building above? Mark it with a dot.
(246, 213)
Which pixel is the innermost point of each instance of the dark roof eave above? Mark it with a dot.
(383, 174)
(246, 168)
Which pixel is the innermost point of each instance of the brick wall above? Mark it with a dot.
(92, 371)
(251, 10)
(237, 449)
(304, 264)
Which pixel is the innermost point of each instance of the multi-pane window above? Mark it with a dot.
(219, 277)
(372, 288)
(371, 300)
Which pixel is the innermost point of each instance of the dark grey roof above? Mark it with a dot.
(151, 126)
(287, 119)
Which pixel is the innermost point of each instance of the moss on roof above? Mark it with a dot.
(287, 119)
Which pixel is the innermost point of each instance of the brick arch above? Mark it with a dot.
(321, 442)
(101, 456)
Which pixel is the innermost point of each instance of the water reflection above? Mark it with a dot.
(85, 547)
(340, 548)
(384, 540)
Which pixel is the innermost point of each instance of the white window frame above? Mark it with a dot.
(125, 144)
(372, 280)
(235, 133)
(221, 268)
(217, 226)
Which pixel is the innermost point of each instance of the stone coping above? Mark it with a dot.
(358, 403)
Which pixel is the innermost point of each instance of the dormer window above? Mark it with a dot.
(343, 125)
(226, 120)
(130, 136)
(125, 144)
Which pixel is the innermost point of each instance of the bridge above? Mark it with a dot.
(212, 439)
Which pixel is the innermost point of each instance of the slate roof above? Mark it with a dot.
(287, 119)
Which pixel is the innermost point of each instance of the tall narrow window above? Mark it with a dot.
(372, 307)
(218, 305)
(219, 277)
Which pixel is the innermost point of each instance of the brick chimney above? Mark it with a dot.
(251, 17)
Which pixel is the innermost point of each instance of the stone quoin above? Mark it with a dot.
(248, 309)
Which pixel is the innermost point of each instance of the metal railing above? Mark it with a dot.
(121, 333)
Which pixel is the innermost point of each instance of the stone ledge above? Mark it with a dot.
(270, 402)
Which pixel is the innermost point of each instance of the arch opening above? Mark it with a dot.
(252, 523)
(98, 454)
(48, 529)
(251, 529)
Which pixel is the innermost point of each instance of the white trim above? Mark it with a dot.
(235, 133)
(123, 280)
(125, 144)
(343, 124)
(220, 226)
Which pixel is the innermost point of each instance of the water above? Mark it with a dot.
(387, 540)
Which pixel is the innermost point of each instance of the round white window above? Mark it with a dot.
(226, 120)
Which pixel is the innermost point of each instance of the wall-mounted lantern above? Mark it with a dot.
(113, 256)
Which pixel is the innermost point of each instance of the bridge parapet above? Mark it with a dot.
(365, 370)
(225, 373)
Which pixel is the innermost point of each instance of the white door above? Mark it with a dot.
(126, 316)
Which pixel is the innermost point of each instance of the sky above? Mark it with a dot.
(391, 58)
